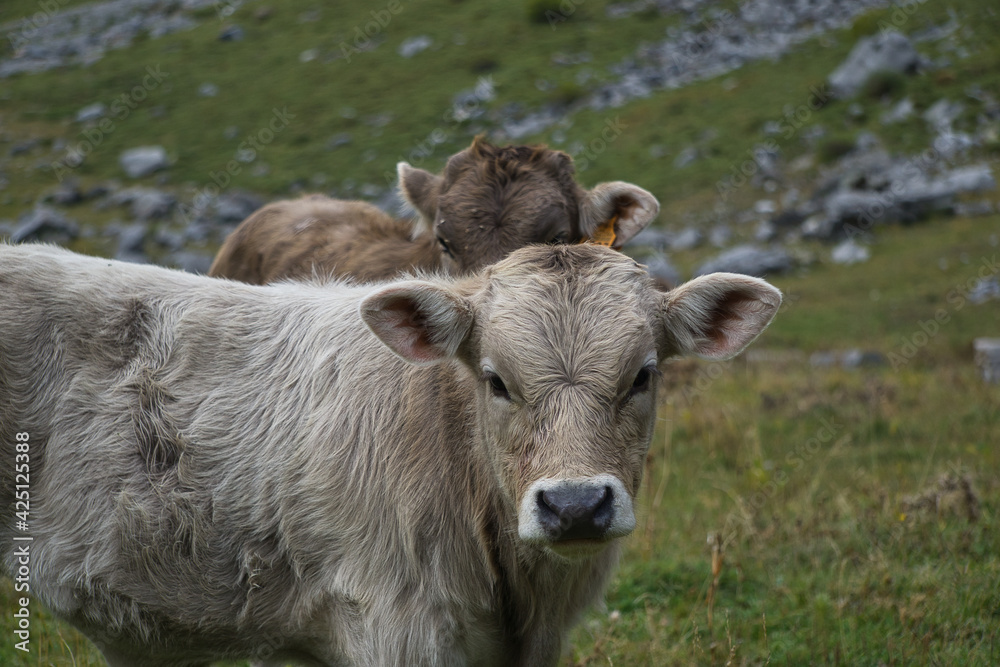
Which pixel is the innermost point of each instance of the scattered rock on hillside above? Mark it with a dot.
(131, 240)
(749, 260)
(192, 262)
(143, 161)
(44, 223)
(231, 33)
(887, 51)
(662, 271)
(851, 359)
(849, 252)
(65, 194)
(687, 239)
(236, 206)
(901, 111)
(651, 238)
(984, 289)
(90, 112)
(987, 351)
(411, 46)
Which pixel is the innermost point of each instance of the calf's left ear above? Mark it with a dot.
(631, 207)
(716, 316)
(421, 322)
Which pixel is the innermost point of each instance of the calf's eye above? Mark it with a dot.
(643, 381)
(445, 247)
(497, 387)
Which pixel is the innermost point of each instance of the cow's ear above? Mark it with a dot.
(419, 321)
(420, 189)
(630, 206)
(717, 315)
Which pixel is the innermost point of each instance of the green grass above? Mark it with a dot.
(823, 562)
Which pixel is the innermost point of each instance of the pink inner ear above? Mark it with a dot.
(403, 328)
(733, 322)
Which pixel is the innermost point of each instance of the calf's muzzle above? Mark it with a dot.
(588, 508)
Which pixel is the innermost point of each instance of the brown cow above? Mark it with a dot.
(488, 202)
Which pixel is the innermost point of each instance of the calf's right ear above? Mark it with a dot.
(421, 322)
(716, 316)
(420, 189)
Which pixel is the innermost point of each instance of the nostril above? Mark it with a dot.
(604, 513)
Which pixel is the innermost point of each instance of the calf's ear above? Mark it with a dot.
(632, 208)
(420, 190)
(421, 322)
(716, 316)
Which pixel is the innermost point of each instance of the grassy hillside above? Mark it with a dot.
(838, 545)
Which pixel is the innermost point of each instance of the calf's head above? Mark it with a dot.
(489, 201)
(564, 346)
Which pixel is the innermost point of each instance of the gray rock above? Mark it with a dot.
(749, 260)
(987, 356)
(663, 272)
(898, 113)
(143, 161)
(974, 209)
(687, 239)
(824, 359)
(720, 235)
(66, 194)
(151, 204)
(849, 252)
(943, 113)
(766, 231)
(208, 90)
(411, 46)
(90, 112)
(890, 50)
(169, 239)
(686, 157)
(984, 289)
(231, 33)
(389, 201)
(856, 358)
(651, 238)
(971, 178)
(236, 206)
(44, 223)
(131, 240)
(192, 262)
(338, 140)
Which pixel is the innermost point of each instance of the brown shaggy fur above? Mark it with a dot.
(487, 202)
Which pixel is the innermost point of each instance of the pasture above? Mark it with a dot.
(853, 512)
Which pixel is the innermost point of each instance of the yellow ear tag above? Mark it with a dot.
(605, 234)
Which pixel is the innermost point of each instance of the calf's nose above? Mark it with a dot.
(577, 512)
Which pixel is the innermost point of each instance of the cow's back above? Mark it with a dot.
(320, 236)
(141, 389)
